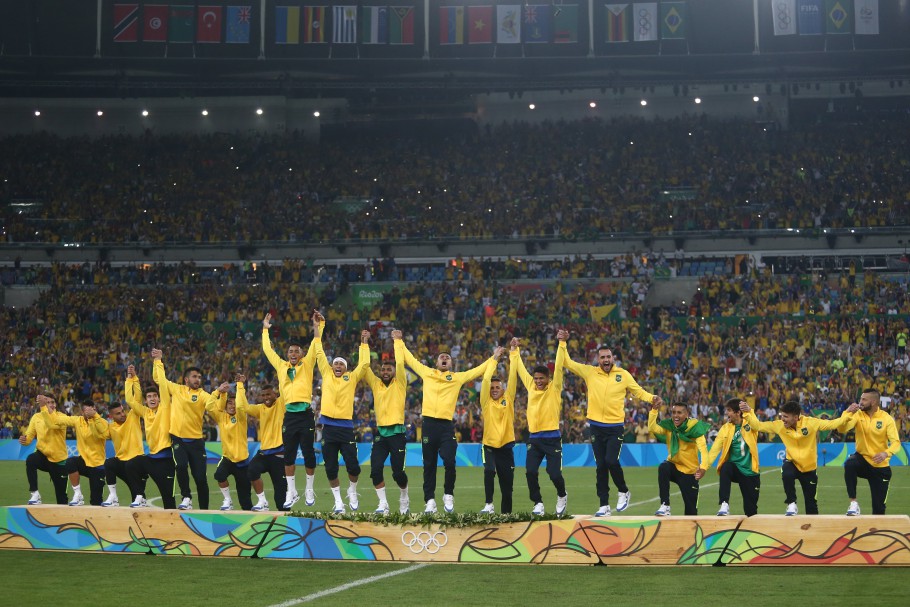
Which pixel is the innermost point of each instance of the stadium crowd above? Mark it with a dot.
(816, 339)
(558, 180)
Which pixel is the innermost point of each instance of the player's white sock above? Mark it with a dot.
(310, 479)
(353, 486)
(336, 493)
(77, 490)
(261, 497)
(380, 491)
(112, 495)
(292, 484)
(226, 492)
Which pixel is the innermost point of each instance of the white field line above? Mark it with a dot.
(348, 586)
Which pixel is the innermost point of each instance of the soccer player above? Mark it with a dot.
(607, 386)
(187, 409)
(497, 406)
(50, 452)
(295, 383)
(234, 450)
(389, 391)
(128, 463)
(156, 415)
(685, 438)
(876, 442)
(91, 434)
(441, 387)
(270, 457)
(544, 413)
(337, 417)
(737, 445)
(800, 437)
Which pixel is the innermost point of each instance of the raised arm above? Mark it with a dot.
(363, 357)
(559, 375)
(241, 401)
(466, 376)
(316, 344)
(267, 348)
(218, 398)
(99, 427)
(653, 427)
(401, 374)
(512, 386)
(158, 372)
(577, 368)
(515, 361)
(416, 366)
(753, 421)
(637, 391)
(487, 379)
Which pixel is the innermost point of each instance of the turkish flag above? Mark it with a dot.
(154, 23)
(208, 24)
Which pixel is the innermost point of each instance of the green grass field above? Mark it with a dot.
(137, 580)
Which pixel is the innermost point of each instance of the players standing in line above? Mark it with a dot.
(497, 405)
(336, 410)
(235, 452)
(187, 410)
(50, 452)
(295, 383)
(737, 445)
(389, 392)
(685, 438)
(156, 414)
(544, 413)
(876, 441)
(607, 386)
(800, 437)
(270, 457)
(441, 387)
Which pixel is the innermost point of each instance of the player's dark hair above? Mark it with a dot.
(732, 404)
(541, 369)
(791, 408)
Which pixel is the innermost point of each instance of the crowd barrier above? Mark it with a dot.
(581, 540)
(574, 455)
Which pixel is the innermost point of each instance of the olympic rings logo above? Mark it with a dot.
(783, 15)
(424, 541)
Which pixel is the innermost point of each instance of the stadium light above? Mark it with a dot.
(592, 105)
(145, 113)
(316, 114)
(37, 112)
(259, 111)
(205, 112)
(755, 98)
(644, 102)
(698, 100)
(531, 106)
(100, 113)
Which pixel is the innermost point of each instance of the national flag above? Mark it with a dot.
(619, 22)
(180, 24)
(839, 16)
(126, 23)
(238, 24)
(208, 25)
(866, 15)
(154, 23)
(374, 24)
(537, 23)
(287, 25)
(480, 25)
(314, 24)
(451, 25)
(401, 25)
(673, 20)
(811, 22)
(644, 20)
(565, 24)
(508, 24)
(599, 313)
(344, 24)
(783, 12)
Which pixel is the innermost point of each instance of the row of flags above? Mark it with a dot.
(817, 17)
(458, 25)
(182, 23)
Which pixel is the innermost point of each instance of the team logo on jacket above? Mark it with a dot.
(426, 440)
(618, 378)
(346, 377)
(747, 428)
(194, 398)
(878, 425)
(503, 403)
(805, 431)
(449, 377)
(233, 420)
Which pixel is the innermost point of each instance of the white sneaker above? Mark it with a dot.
(261, 507)
(488, 509)
(353, 498)
(139, 502)
(382, 508)
(561, 503)
(77, 500)
(853, 510)
(227, 504)
(310, 497)
(339, 508)
(792, 509)
(724, 509)
(603, 511)
(404, 504)
(538, 509)
(448, 502)
(110, 502)
(664, 510)
(623, 500)
(186, 504)
(431, 507)
(35, 499)
(292, 498)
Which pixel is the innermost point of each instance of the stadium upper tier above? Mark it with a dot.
(569, 181)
